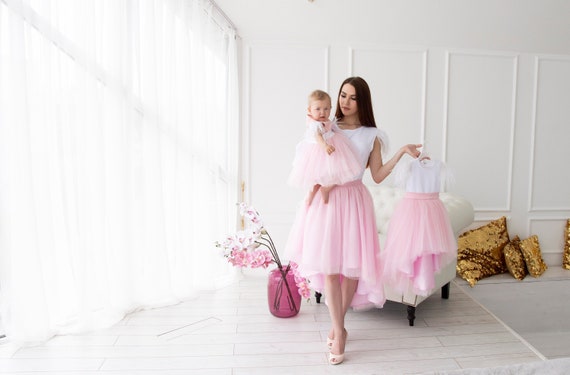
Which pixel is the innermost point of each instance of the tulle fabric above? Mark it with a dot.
(419, 242)
(340, 238)
(313, 165)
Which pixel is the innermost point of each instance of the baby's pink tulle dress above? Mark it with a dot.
(313, 165)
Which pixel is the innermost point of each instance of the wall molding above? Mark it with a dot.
(537, 60)
(543, 244)
(561, 218)
(514, 96)
(423, 52)
(248, 48)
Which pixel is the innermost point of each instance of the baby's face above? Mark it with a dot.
(320, 110)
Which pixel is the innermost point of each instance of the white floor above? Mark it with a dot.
(535, 308)
(230, 331)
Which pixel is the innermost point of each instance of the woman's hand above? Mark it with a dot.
(412, 150)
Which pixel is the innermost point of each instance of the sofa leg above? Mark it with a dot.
(318, 297)
(445, 291)
(411, 314)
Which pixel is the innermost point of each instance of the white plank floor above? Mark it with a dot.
(535, 308)
(230, 331)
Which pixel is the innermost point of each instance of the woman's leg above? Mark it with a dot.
(333, 292)
(347, 289)
(339, 297)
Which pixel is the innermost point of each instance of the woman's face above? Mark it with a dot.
(347, 100)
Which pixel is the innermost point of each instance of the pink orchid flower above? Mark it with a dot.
(253, 247)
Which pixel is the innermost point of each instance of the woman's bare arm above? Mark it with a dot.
(380, 170)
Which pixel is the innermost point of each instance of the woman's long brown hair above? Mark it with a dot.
(363, 101)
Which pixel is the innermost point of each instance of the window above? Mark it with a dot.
(118, 148)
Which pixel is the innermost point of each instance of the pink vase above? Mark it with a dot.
(282, 294)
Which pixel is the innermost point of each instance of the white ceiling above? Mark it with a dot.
(521, 25)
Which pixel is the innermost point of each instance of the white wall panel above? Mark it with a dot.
(479, 122)
(278, 81)
(550, 176)
(397, 80)
(550, 232)
(472, 105)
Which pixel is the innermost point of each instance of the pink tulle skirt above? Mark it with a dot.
(312, 164)
(340, 237)
(419, 242)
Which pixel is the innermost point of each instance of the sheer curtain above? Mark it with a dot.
(118, 158)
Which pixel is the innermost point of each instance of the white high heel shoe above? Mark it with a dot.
(336, 359)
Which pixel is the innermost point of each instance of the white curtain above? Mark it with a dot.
(118, 158)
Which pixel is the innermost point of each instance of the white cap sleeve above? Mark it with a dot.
(314, 127)
(384, 142)
(447, 178)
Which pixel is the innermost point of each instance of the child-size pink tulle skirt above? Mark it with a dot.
(419, 242)
(313, 165)
(340, 237)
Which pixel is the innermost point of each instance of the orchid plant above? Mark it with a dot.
(253, 247)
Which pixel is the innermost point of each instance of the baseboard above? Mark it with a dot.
(552, 259)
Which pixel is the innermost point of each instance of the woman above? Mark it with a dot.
(334, 240)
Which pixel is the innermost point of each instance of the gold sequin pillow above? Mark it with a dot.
(515, 259)
(566, 259)
(533, 256)
(480, 251)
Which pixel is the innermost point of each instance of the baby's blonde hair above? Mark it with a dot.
(319, 95)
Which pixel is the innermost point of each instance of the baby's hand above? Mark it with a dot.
(330, 149)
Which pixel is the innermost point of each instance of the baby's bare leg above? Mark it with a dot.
(311, 195)
(325, 190)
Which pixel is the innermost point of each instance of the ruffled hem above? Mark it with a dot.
(419, 242)
(312, 165)
(340, 238)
